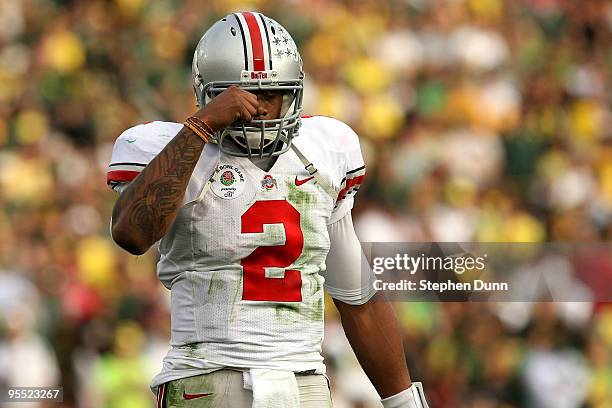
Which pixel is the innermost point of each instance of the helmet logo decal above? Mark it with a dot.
(247, 76)
(259, 75)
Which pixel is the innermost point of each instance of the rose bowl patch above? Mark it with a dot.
(229, 182)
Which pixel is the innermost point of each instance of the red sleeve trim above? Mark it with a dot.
(351, 183)
(121, 175)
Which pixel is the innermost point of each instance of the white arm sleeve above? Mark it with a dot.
(412, 397)
(348, 276)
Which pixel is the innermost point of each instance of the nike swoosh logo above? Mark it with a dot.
(130, 140)
(300, 182)
(194, 396)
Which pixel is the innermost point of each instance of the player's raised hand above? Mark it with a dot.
(232, 105)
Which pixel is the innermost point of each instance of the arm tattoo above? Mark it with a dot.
(150, 203)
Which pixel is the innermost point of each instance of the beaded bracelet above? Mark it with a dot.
(200, 128)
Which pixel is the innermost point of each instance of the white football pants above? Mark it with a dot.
(225, 389)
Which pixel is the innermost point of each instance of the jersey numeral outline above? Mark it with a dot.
(256, 286)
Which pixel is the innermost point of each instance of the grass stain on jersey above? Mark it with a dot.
(216, 284)
(313, 310)
(192, 350)
(316, 310)
(298, 197)
(287, 313)
(317, 285)
(306, 203)
(233, 313)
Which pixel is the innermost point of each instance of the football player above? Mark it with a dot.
(249, 204)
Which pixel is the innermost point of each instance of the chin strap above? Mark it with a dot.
(312, 170)
(205, 189)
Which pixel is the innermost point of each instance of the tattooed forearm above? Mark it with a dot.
(147, 208)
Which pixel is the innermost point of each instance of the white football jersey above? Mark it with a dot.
(243, 260)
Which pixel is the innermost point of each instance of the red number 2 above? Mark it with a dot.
(255, 284)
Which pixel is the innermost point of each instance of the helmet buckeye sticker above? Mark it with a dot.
(229, 183)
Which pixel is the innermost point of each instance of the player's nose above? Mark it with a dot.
(262, 110)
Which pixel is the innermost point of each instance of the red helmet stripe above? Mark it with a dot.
(259, 63)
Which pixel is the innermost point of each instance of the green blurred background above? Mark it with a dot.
(480, 120)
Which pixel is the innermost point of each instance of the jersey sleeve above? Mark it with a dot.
(348, 276)
(352, 177)
(133, 150)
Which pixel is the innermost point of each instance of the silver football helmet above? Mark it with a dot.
(253, 52)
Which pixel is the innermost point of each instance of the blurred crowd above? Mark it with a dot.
(480, 120)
